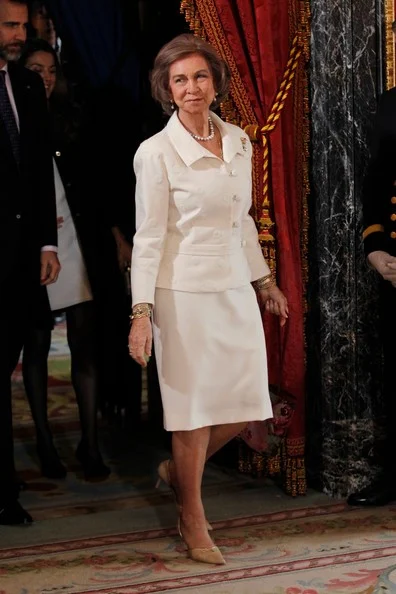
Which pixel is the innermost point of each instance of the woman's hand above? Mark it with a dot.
(275, 302)
(141, 340)
(50, 268)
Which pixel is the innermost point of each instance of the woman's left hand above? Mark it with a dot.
(275, 302)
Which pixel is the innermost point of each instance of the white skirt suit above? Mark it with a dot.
(195, 254)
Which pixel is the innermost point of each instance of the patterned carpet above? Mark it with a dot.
(328, 550)
(118, 536)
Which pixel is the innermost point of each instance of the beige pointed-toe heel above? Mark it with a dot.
(210, 555)
(165, 477)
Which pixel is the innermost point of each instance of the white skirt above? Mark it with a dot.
(211, 358)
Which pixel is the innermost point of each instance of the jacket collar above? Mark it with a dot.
(191, 151)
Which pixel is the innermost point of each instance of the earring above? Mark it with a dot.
(172, 104)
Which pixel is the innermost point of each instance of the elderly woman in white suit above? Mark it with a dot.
(197, 275)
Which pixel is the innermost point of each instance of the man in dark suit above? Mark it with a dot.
(28, 233)
(379, 236)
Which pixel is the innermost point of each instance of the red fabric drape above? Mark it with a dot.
(254, 36)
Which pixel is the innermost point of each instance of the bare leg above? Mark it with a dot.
(219, 436)
(189, 455)
(222, 434)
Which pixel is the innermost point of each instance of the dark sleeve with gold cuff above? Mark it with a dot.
(374, 239)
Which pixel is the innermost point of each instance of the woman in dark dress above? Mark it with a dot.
(74, 293)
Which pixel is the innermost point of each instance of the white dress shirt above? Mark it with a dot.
(45, 248)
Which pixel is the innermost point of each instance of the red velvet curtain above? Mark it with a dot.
(256, 37)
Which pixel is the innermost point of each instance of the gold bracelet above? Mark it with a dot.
(141, 310)
(263, 283)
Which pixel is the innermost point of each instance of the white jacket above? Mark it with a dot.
(193, 228)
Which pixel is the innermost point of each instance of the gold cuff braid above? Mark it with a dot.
(141, 310)
(263, 283)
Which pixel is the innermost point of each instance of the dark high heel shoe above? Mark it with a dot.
(13, 514)
(210, 555)
(93, 466)
(50, 463)
(20, 484)
(165, 476)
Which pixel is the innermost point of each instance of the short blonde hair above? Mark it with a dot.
(178, 48)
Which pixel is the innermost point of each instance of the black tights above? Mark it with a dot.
(80, 321)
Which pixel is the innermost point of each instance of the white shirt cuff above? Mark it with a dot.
(49, 248)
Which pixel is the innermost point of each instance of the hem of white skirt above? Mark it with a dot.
(177, 426)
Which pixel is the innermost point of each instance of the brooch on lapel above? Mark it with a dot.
(244, 141)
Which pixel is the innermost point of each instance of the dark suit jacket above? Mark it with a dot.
(379, 194)
(69, 159)
(27, 201)
(84, 200)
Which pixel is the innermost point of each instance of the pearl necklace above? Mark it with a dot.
(211, 132)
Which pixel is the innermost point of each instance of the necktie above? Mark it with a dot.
(7, 115)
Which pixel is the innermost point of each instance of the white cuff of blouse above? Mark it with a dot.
(49, 248)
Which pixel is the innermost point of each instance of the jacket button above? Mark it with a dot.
(393, 235)
(393, 217)
(393, 199)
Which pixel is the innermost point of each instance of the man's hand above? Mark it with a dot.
(384, 264)
(124, 253)
(124, 249)
(50, 268)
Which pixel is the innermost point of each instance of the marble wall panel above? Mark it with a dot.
(344, 362)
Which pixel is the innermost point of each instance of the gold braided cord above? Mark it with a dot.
(265, 222)
(285, 86)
